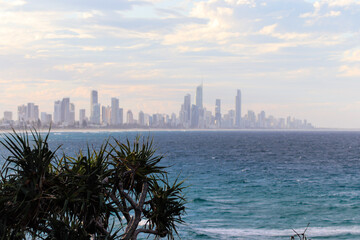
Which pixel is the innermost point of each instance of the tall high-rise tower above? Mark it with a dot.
(238, 109)
(218, 113)
(199, 96)
(94, 108)
(65, 110)
(93, 97)
(82, 117)
(114, 112)
(187, 109)
(57, 112)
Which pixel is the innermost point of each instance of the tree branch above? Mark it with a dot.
(127, 196)
(121, 206)
(144, 230)
(143, 195)
(131, 228)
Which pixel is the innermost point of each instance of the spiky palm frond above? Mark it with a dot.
(135, 163)
(47, 197)
(167, 205)
(83, 178)
(26, 177)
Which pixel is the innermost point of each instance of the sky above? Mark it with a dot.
(288, 57)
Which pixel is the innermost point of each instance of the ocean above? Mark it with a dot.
(256, 184)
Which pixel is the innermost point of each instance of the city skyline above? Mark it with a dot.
(192, 115)
(193, 95)
(300, 58)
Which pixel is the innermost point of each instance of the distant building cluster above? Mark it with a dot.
(191, 116)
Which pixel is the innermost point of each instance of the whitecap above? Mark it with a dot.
(253, 232)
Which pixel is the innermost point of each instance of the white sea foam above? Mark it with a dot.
(252, 232)
(143, 222)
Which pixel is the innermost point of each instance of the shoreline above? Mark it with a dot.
(92, 130)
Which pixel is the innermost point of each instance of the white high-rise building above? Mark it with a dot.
(121, 116)
(187, 110)
(32, 112)
(114, 119)
(141, 118)
(94, 108)
(199, 109)
(71, 120)
(22, 114)
(28, 113)
(65, 110)
(45, 119)
(199, 96)
(129, 117)
(82, 117)
(57, 112)
(35, 116)
(218, 113)
(238, 109)
(105, 115)
(7, 116)
(94, 97)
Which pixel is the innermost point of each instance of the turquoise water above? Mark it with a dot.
(257, 185)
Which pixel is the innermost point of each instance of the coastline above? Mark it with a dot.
(93, 130)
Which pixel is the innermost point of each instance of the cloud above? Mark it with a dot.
(76, 67)
(132, 47)
(352, 55)
(5, 5)
(349, 71)
(216, 29)
(340, 3)
(332, 14)
(268, 30)
(241, 2)
(82, 5)
(94, 49)
(135, 48)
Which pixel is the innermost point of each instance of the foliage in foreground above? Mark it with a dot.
(115, 192)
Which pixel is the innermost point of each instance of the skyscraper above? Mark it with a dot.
(218, 113)
(45, 119)
(71, 120)
(238, 109)
(187, 110)
(96, 114)
(141, 118)
(82, 117)
(199, 96)
(7, 116)
(57, 112)
(65, 110)
(32, 112)
(194, 116)
(105, 115)
(22, 114)
(199, 111)
(94, 108)
(129, 117)
(114, 112)
(121, 116)
(93, 97)
(35, 116)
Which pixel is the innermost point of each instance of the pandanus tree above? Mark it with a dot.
(114, 192)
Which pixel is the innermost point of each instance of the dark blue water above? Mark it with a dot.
(258, 185)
